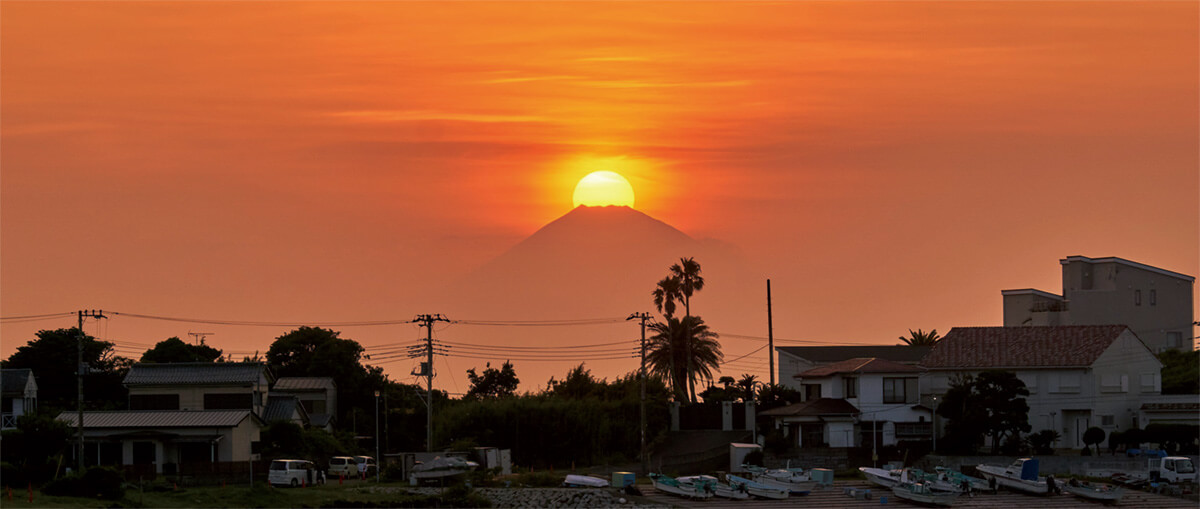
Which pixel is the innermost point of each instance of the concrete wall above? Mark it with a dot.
(1120, 293)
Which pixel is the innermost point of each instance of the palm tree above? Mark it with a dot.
(666, 351)
(921, 338)
(687, 273)
(665, 294)
(748, 384)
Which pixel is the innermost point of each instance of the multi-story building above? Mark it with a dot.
(1156, 304)
(1077, 376)
(794, 360)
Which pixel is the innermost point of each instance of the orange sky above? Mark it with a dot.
(889, 165)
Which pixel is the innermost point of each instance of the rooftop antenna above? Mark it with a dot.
(199, 336)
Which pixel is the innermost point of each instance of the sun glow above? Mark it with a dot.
(603, 188)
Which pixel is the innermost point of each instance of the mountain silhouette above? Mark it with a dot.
(591, 262)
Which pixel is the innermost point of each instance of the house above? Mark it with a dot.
(860, 402)
(318, 395)
(1078, 376)
(285, 407)
(794, 360)
(187, 418)
(18, 393)
(1156, 304)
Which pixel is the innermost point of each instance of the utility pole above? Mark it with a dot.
(770, 336)
(643, 317)
(79, 372)
(427, 370)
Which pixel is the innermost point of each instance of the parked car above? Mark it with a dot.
(368, 462)
(294, 473)
(343, 466)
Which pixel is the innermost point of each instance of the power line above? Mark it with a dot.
(35, 318)
(367, 323)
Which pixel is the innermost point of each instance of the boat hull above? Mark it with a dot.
(688, 491)
(759, 490)
(1012, 481)
(1108, 494)
(885, 478)
(941, 499)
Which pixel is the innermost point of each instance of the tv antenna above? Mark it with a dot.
(199, 336)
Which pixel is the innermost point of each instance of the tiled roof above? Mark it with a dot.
(320, 420)
(195, 373)
(1022, 347)
(862, 365)
(313, 383)
(12, 381)
(281, 408)
(817, 407)
(824, 354)
(158, 418)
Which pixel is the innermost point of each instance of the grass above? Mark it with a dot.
(231, 496)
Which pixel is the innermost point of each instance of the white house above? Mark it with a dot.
(861, 402)
(1077, 376)
(794, 360)
(18, 393)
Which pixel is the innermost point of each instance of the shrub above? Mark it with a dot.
(1042, 442)
(754, 457)
(96, 482)
(539, 480)
(776, 442)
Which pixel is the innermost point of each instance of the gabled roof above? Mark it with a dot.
(13, 381)
(282, 407)
(860, 365)
(196, 373)
(307, 383)
(1129, 263)
(159, 418)
(1022, 347)
(817, 407)
(826, 354)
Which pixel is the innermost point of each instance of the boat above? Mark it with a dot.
(795, 480)
(922, 493)
(1094, 491)
(714, 485)
(757, 489)
(965, 482)
(1021, 475)
(885, 478)
(584, 481)
(669, 485)
(440, 468)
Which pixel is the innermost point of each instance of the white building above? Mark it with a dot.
(856, 402)
(18, 393)
(1077, 376)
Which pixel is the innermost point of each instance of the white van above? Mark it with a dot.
(343, 466)
(294, 473)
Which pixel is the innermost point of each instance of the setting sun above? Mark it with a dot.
(603, 188)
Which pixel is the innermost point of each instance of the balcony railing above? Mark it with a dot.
(8, 420)
(1049, 307)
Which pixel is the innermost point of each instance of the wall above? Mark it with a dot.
(1106, 293)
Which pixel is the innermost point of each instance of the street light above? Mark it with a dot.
(934, 420)
(378, 459)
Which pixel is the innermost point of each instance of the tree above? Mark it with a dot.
(1043, 441)
(986, 404)
(1180, 372)
(675, 339)
(493, 383)
(749, 385)
(687, 272)
(317, 352)
(52, 357)
(175, 350)
(921, 338)
(1093, 436)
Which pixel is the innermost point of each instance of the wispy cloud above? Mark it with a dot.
(524, 79)
(387, 116)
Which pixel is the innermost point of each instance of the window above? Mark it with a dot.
(850, 389)
(1153, 297)
(154, 402)
(812, 392)
(900, 390)
(1107, 420)
(1137, 297)
(1174, 340)
(228, 401)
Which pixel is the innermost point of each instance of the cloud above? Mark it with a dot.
(390, 116)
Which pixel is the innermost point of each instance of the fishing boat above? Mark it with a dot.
(757, 489)
(885, 478)
(795, 480)
(1094, 491)
(440, 468)
(965, 483)
(714, 485)
(584, 481)
(669, 485)
(1021, 475)
(921, 493)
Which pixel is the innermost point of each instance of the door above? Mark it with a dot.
(1081, 425)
